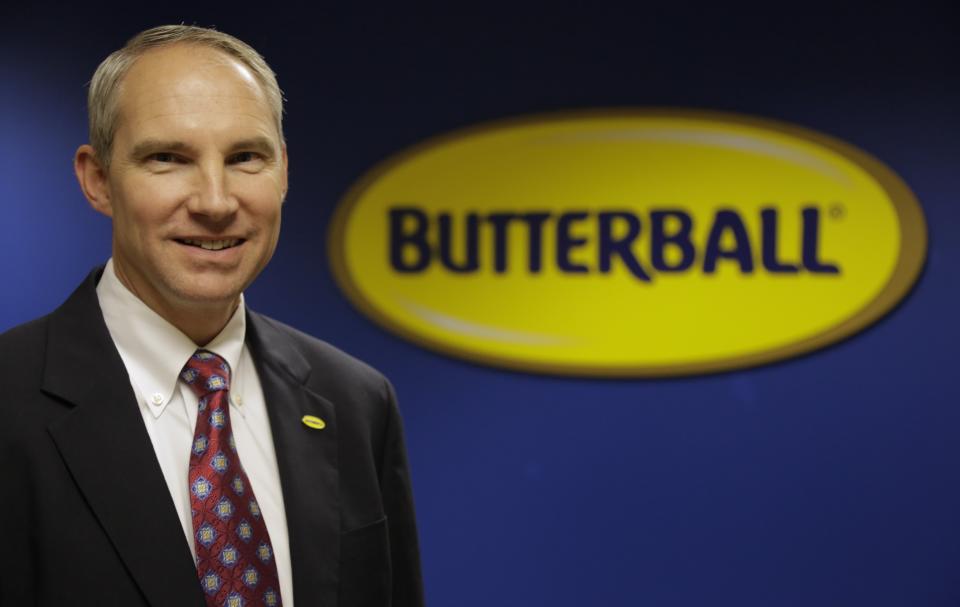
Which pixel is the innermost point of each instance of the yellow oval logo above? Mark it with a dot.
(634, 243)
(312, 421)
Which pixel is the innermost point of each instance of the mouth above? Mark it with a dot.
(212, 245)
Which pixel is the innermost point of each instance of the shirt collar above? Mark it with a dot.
(153, 350)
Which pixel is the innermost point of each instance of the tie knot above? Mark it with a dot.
(206, 372)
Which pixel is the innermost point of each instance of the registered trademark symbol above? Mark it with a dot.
(837, 211)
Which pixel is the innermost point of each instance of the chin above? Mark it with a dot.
(209, 294)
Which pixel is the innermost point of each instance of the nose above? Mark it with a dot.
(212, 197)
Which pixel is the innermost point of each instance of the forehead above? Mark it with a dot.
(189, 83)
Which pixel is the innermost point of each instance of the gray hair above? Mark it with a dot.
(102, 98)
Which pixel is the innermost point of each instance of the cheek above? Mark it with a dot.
(271, 223)
(264, 204)
(146, 205)
(267, 218)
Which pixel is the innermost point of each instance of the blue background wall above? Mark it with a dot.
(833, 479)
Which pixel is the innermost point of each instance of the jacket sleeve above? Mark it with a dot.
(397, 494)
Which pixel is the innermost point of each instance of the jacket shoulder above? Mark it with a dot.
(22, 349)
(325, 360)
(32, 331)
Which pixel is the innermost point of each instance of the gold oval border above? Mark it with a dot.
(913, 232)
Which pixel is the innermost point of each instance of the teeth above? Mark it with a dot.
(213, 245)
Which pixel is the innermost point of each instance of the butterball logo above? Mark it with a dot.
(628, 243)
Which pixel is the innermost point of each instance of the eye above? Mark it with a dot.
(244, 157)
(164, 157)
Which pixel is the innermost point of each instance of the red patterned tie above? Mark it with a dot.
(234, 555)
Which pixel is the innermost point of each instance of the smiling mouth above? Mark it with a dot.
(212, 245)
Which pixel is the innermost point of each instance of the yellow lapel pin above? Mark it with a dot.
(314, 422)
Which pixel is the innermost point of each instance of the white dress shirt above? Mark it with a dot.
(154, 352)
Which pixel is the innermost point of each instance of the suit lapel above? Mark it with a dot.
(307, 459)
(104, 444)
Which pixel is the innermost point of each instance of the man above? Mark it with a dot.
(127, 412)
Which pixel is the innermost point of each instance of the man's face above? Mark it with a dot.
(196, 180)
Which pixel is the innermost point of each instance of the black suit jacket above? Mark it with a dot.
(85, 515)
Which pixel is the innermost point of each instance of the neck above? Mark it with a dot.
(200, 321)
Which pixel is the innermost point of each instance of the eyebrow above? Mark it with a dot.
(148, 147)
(152, 146)
(259, 144)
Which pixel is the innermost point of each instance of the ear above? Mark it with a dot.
(93, 179)
(283, 182)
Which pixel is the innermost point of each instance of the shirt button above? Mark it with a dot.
(239, 400)
(157, 398)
